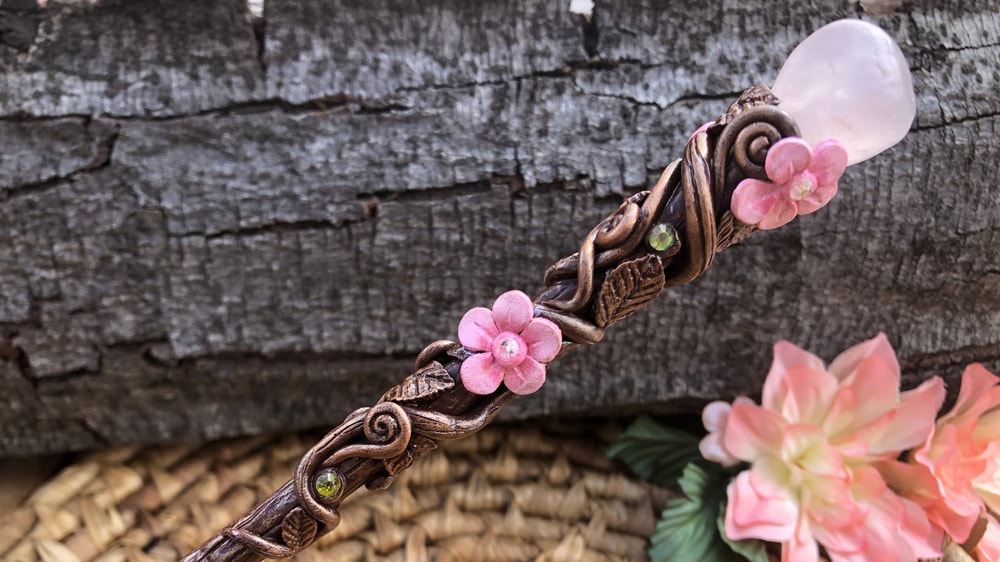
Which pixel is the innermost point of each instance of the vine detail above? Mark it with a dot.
(692, 196)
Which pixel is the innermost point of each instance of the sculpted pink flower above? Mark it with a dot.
(812, 445)
(515, 346)
(802, 181)
(955, 474)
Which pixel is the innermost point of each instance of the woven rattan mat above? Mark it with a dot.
(542, 492)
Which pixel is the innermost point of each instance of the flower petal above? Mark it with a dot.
(525, 378)
(543, 338)
(875, 387)
(810, 394)
(918, 532)
(807, 445)
(753, 432)
(787, 158)
(715, 415)
(911, 423)
(977, 395)
(512, 311)
(848, 361)
(770, 477)
(754, 200)
(480, 374)
(787, 356)
(802, 546)
(749, 515)
(477, 330)
(712, 449)
(829, 161)
(818, 199)
(781, 214)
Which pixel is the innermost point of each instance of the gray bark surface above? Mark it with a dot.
(212, 224)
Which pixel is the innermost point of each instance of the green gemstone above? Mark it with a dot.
(328, 483)
(662, 237)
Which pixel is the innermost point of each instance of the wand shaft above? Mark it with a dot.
(663, 237)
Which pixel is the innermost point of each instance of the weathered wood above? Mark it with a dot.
(211, 225)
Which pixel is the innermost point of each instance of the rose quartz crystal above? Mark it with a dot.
(848, 81)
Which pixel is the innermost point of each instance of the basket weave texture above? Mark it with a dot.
(535, 492)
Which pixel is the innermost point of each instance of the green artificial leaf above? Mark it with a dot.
(688, 528)
(751, 549)
(656, 453)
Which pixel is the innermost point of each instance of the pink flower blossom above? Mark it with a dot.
(514, 346)
(812, 446)
(715, 416)
(803, 181)
(955, 474)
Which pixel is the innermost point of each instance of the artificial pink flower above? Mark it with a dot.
(515, 346)
(813, 445)
(802, 181)
(715, 416)
(955, 474)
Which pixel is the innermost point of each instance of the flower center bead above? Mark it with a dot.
(509, 349)
(801, 187)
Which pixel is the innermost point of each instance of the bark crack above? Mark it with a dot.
(16, 354)
(101, 159)
(967, 119)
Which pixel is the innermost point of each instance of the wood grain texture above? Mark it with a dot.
(214, 225)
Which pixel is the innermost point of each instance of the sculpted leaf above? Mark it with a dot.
(298, 529)
(428, 382)
(627, 288)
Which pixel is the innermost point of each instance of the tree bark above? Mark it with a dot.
(214, 224)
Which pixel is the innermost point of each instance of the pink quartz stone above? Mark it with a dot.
(848, 81)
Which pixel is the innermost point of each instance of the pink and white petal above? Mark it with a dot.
(512, 311)
(525, 378)
(911, 423)
(750, 516)
(988, 428)
(840, 418)
(715, 414)
(829, 161)
(917, 531)
(753, 432)
(712, 449)
(904, 427)
(876, 387)
(977, 394)
(843, 541)
(807, 443)
(781, 214)
(915, 479)
(770, 478)
(897, 529)
(480, 374)
(818, 199)
(543, 338)
(787, 158)
(754, 199)
(810, 395)
(477, 330)
(848, 361)
(802, 546)
(787, 356)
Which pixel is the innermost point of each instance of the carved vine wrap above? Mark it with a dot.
(621, 267)
(666, 236)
